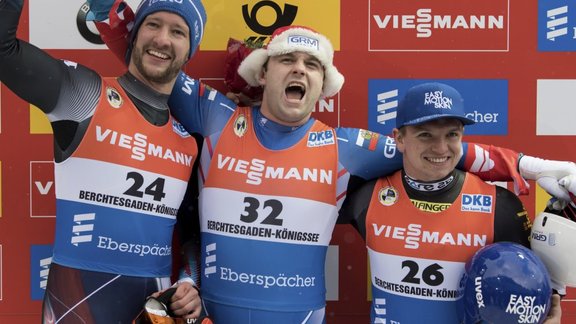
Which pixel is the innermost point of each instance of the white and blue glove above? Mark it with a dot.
(99, 9)
(557, 178)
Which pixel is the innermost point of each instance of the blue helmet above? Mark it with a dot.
(504, 283)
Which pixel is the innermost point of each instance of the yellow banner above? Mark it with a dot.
(257, 19)
(542, 198)
(39, 123)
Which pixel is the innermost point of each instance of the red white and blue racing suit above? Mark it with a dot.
(118, 184)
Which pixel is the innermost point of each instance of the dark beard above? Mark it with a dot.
(165, 76)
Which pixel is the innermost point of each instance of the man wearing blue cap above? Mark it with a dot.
(122, 164)
(421, 224)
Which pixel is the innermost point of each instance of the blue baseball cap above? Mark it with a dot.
(192, 11)
(429, 101)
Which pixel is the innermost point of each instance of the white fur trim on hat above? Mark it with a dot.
(295, 39)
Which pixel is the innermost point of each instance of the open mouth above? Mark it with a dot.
(295, 91)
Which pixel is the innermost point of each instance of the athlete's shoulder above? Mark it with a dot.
(365, 139)
(511, 220)
(200, 108)
(190, 87)
(508, 202)
(367, 154)
(506, 195)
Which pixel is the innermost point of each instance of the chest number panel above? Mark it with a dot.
(252, 211)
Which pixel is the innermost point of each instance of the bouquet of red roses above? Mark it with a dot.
(236, 52)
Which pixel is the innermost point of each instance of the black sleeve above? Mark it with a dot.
(188, 217)
(28, 71)
(37, 77)
(355, 206)
(188, 222)
(511, 221)
(69, 92)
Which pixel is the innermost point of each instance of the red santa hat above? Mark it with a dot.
(294, 39)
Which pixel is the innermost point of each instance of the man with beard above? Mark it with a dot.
(122, 164)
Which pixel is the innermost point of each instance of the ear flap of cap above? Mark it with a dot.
(333, 81)
(251, 66)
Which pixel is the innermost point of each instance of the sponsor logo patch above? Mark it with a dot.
(477, 203)
(179, 129)
(367, 139)
(240, 126)
(388, 196)
(323, 138)
(114, 98)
